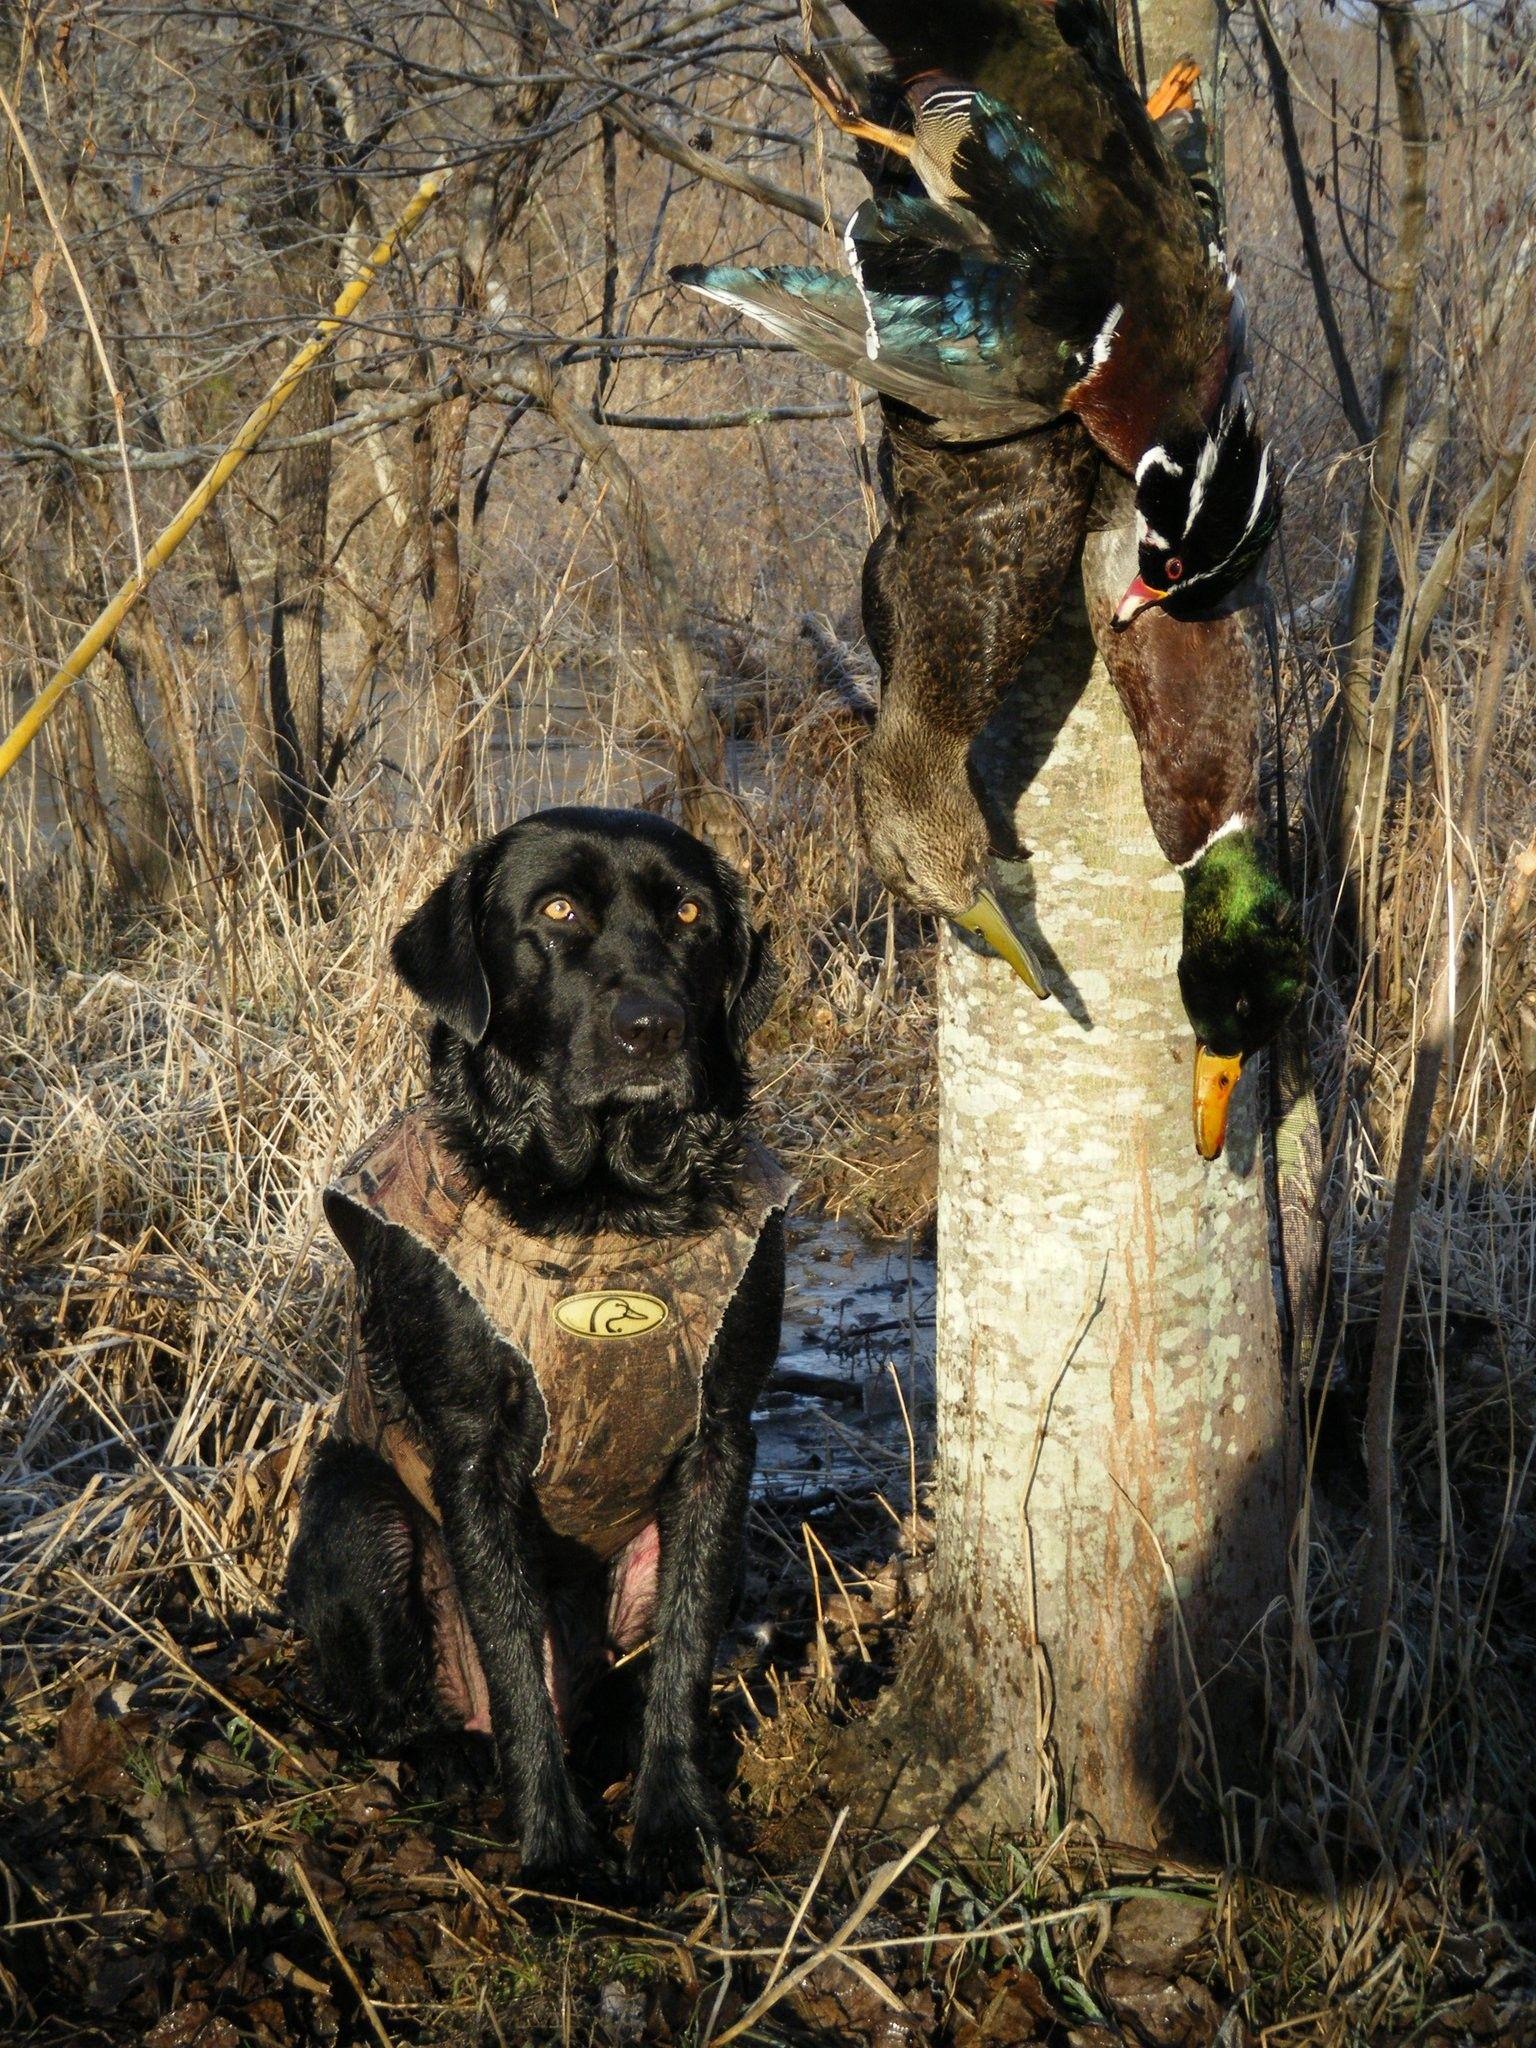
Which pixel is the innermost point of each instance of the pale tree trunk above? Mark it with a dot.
(1111, 1480)
(1112, 1425)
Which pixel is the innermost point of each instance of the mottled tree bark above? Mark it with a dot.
(142, 821)
(296, 672)
(1111, 1463)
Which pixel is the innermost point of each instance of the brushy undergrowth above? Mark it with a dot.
(177, 1081)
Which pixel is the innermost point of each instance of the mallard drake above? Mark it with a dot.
(1187, 689)
(963, 578)
(1057, 260)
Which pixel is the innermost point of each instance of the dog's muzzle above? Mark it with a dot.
(642, 1055)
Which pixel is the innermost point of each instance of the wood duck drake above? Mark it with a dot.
(1187, 689)
(1056, 260)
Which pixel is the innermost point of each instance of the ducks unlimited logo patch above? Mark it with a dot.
(623, 1314)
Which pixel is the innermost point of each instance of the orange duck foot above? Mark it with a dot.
(1175, 92)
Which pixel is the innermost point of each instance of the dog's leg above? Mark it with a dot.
(355, 1589)
(485, 1518)
(701, 1521)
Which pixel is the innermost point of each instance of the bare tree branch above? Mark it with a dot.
(1306, 221)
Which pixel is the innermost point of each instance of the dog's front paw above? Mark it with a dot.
(673, 1841)
(559, 1846)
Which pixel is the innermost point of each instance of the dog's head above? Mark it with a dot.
(589, 970)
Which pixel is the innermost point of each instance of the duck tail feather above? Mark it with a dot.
(963, 38)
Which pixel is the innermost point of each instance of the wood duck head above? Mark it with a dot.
(1207, 506)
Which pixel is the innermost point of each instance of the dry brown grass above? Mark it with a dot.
(175, 1084)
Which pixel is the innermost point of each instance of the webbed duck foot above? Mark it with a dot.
(838, 104)
(1174, 92)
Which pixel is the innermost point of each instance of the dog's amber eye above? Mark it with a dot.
(688, 911)
(558, 910)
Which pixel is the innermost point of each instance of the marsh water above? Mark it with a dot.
(855, 1364)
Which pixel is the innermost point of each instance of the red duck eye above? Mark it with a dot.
(1173, 569)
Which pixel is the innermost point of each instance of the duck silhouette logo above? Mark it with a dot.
(610, 1314)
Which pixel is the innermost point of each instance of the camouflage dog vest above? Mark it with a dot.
(617, 1330)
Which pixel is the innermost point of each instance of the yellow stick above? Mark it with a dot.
(326, 333)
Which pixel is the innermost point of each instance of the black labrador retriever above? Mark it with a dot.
(570, 1267)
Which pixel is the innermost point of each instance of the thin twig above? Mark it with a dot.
(871, 1896)
(90, 319)
(370, 2010)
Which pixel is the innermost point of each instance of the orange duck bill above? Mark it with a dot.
(1215, 1078)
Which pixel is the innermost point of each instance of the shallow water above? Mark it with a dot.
(858, 1323)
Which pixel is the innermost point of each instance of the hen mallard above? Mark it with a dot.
(1057, 260)
(964, 577)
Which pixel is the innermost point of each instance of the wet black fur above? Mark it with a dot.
(537, 1098)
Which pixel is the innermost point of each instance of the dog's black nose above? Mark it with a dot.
(648, 1026)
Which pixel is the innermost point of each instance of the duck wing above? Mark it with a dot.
(929, 343)
(983, 347)
(979, 310)
(1004, 179)
(1009, 268)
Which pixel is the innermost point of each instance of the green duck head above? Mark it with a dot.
(1241, 972)
(928, 841)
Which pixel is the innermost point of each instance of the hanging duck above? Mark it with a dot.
(1057, 261)
(1187, 689)
(964, 577)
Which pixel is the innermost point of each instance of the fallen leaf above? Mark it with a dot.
(1180, 2014)
(192, 2026)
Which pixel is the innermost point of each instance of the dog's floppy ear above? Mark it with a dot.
(757, 990)
(437, 954)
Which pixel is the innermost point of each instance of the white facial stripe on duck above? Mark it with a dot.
(1158, 457)
(1206, 509)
